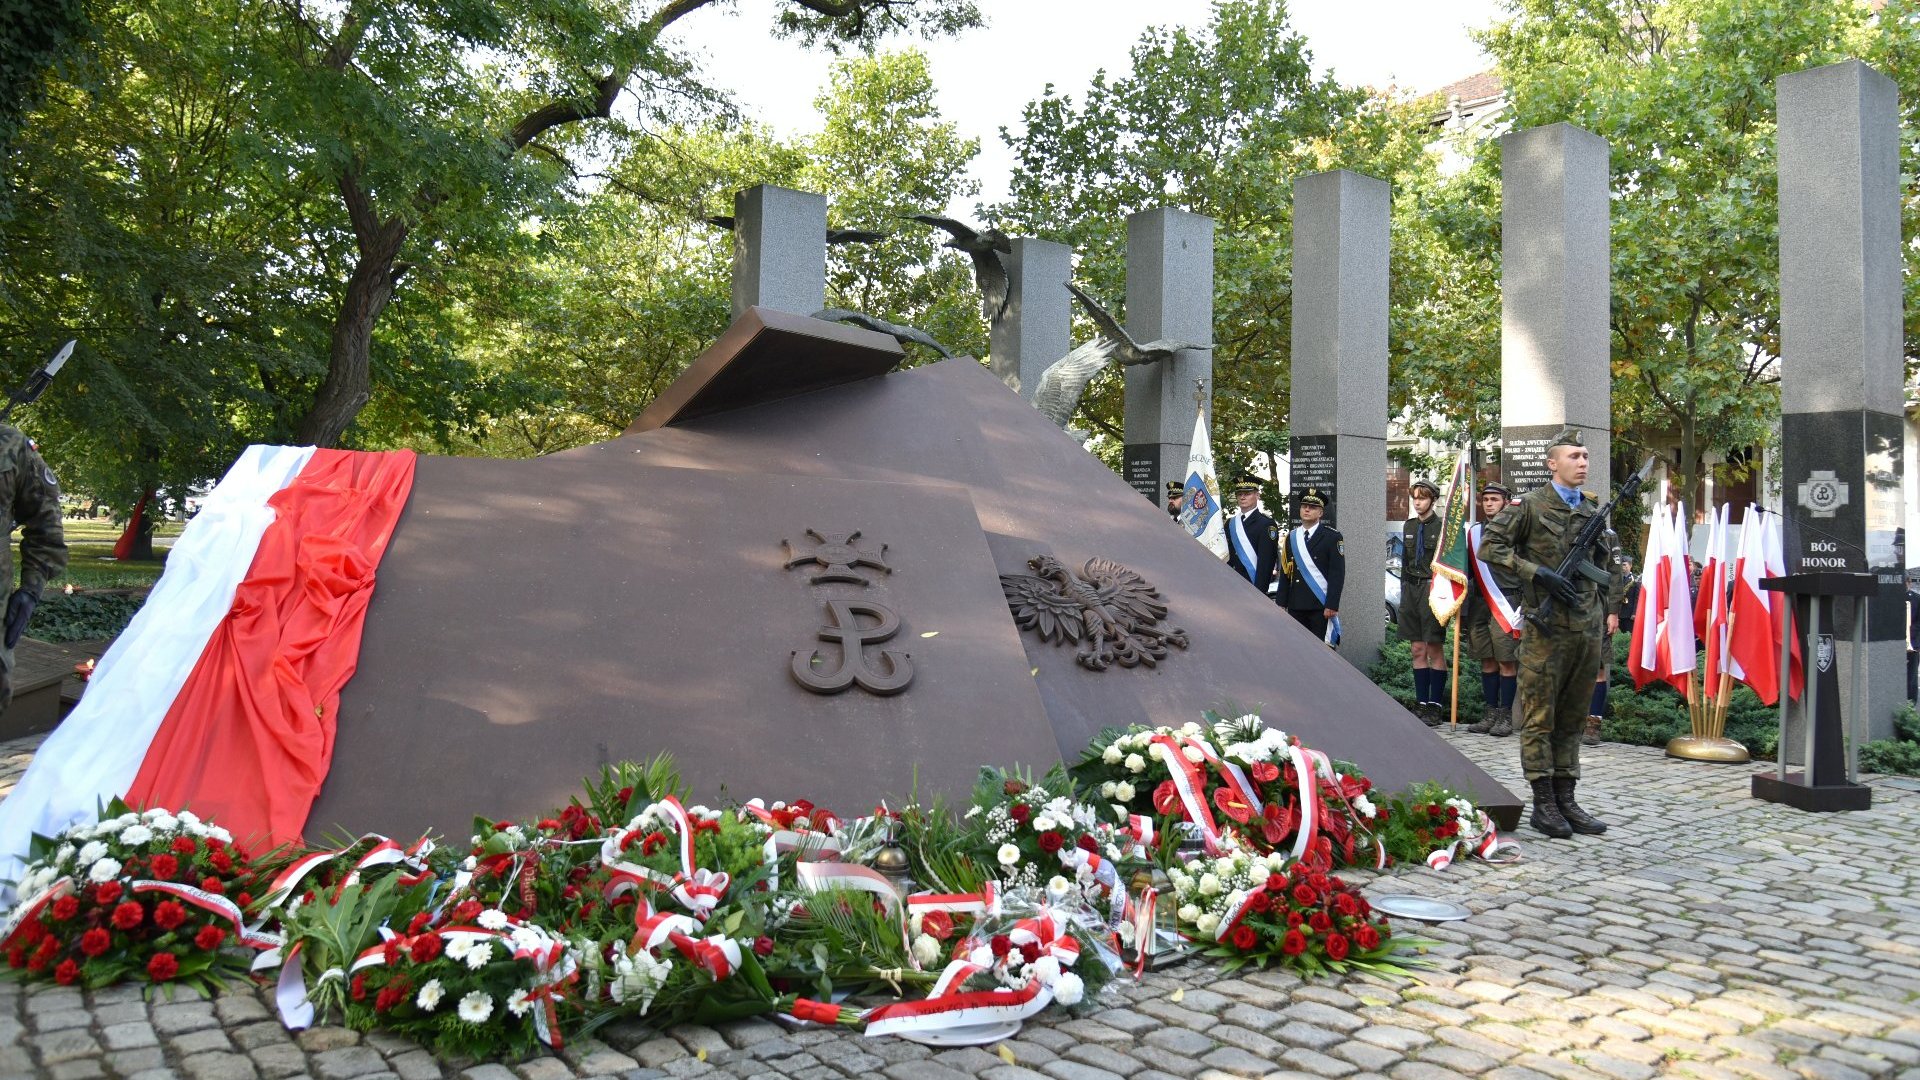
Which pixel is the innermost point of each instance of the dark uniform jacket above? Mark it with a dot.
(1416, 559)
(1264, 538)
(1329, 554)
(1536, 531)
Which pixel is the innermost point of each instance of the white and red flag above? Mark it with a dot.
(1663, 638)
(1758, 615)
(1710, 608)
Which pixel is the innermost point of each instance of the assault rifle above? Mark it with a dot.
(1577, 562)
(38, 382)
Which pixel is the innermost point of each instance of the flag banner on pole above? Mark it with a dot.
(1200, 502)
(1662, 647)
(1711, 611)
(1450, 555)
(1783, 621)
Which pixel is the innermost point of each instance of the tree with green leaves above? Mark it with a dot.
(1683, 91)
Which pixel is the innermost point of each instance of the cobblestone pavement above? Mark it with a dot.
(1706, 935)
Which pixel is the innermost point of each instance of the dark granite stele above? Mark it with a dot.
(534, 620)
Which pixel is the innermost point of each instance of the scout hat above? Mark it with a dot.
(1425, 483)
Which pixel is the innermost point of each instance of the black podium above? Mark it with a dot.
(1827, 780)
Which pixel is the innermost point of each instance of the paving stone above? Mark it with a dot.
(314, 1040)
(83, 1069)
(656, 1052)
(277, 1060)
(216, 1065)
(1313, 1038)
(175, 1017)
(1103, 1057)
(1179, 1041)
(130, 1035)
(239, 1008)
(1317, 1063)
(208, 1041)
(62, 1046)
(128, 1062)
(1075, 1070)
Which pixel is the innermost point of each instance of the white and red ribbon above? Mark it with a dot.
(213, 904)
(945, 1007)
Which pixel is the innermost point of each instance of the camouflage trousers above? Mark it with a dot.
(1556, 687)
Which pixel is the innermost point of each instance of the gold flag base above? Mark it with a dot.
(1704, 748)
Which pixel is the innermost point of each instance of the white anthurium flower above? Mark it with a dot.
(476, 1007)
(1008, 854)
(428, 999)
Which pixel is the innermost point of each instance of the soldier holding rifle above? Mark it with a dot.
(1556, 541)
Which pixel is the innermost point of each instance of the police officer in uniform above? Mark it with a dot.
(1558, 662)
(1487, 641)
(1176, 491)
(1323, 546)
(1256, 532)
(30, 499)
(1423, 633)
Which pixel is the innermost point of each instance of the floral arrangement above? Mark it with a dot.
(631, 901)
(151, 896)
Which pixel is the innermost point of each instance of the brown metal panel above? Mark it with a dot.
(536, 619)
(767, 355)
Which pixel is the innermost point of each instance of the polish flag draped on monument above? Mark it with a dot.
(1663, 639)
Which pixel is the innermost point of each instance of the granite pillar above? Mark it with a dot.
(1169, 295)
(779, 250)
(1841, 369)
(1339, 395)
(1554, 289)
(1037, 327)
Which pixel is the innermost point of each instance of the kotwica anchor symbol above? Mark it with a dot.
(844, 627)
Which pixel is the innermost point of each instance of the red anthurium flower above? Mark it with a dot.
(1266, 772)
(1232, 805)
(1166, 798)
(1278, 823)
(937, 925)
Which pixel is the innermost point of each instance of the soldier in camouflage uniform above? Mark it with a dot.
(1557, 663)
(32, 503)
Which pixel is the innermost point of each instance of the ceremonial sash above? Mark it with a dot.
(1242, 548)
(1504, 613)
(1316, 581)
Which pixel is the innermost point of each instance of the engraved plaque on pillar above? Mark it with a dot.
(1312, 465)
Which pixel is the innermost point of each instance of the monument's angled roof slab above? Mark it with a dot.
(537, 619)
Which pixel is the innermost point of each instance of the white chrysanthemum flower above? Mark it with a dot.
(136, 835)
(429, 996)
(926, 951)
(1044, 823)
(1207, 923)
(493, 919)
(1123, 791)
(1046, 969)
(65, 854)
(1008, 854)
(1189, 912)
(1111, 755)
(459, 947)
(1058, 887)
(476, 1007)
(517, 1003)
(1365, 806)
(104, 871)
(528, 938)
(188, 817)
(219, 834)
(1209, 885)
(1136, 763)
(479, 957)
(1068, 989)
(92, 852)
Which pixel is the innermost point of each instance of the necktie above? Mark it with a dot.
(1420, 537)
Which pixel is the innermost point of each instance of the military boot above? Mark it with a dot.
(1577, 819)
(1502, 722)
(1591, 736)
(1485, 725)
(1546, 812)
(1432, 714)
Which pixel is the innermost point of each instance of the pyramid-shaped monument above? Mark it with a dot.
(788, 574)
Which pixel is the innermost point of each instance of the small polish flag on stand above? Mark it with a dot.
(1663, 638)
(1758, 615)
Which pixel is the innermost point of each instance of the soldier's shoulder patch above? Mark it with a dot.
(1340, 546)
(32, 445)
(47, 472)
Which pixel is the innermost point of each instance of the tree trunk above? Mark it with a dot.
(349, 382)
(1690, 460)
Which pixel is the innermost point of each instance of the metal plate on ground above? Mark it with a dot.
(971, 1035)
(1420, 908)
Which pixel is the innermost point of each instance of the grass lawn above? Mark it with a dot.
(90, 563)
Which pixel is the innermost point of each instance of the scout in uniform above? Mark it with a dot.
(1558, 660)
(1313, 570)
(1420, 538)
(1492, 621)
(1253, 541)
(32, 504)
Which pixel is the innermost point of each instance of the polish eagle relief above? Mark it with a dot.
(1109, 611)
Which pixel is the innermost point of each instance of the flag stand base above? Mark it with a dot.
(1706, 748)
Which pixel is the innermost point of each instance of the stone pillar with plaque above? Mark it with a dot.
(779, 250)
(1037, 328)
(1841, 369)
(1339, 398)
(1554, 288)
(1169, 295)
